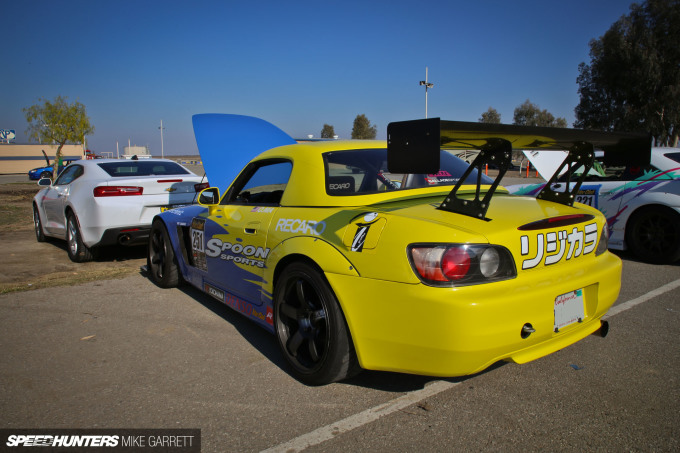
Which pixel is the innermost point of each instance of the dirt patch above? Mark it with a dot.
(28, 264)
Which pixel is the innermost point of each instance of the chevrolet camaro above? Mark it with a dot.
(103, 202)
(392, 255)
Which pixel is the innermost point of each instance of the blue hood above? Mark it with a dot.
(228, 142)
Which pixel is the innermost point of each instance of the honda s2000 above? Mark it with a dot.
(392, 256)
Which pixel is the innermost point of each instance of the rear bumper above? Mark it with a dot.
(458, 331)
(127, 236)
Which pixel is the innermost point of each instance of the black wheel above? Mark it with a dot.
(310, 327)
(45, 174)
(653, 235)
(77, 251)
(160, 260)
(37, 224)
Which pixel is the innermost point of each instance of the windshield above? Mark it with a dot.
(364, 171)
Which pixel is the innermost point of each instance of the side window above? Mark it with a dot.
(263, 185)
(69, 174)
(636, 173)
(673, 156)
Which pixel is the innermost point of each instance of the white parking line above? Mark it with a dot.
(370, 415)
(644, 298)
(362, 418)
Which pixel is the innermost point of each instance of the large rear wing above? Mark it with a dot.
(414, 146)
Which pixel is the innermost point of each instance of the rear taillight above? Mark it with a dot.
(461, 264)
(117, 191)
(604, 240)
(201, 186)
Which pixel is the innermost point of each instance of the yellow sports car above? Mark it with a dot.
(392, 256)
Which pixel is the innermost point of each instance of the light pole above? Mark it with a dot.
(427, 85)
(161, 128)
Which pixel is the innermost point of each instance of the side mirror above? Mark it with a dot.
(209, 197)
(45, 182)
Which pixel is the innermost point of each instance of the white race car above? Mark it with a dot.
(642, 204)
(95, 203)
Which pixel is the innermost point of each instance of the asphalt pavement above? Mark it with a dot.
(127, 354)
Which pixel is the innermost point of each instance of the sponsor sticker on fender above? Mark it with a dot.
(311, 227)
(237, 252)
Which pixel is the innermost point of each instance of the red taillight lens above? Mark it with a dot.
(456, 263)
(201, 186)
(461, 264)
(117, 191)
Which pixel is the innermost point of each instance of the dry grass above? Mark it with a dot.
(32, 270)
(67, 279)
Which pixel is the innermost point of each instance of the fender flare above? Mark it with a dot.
(324, 255)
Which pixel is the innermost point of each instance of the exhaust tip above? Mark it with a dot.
(124, 239)
(603, 330)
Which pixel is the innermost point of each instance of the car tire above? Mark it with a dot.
(37, 223)
(45, 174)
(77, 250)
(310, 327)
(161, 262)
(653, 235)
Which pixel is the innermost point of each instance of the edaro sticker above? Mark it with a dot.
(360, 238)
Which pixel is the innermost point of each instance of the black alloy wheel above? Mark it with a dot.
(653, 235)
(161, 262)
(311, 328)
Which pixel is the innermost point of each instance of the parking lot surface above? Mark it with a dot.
(126, 354)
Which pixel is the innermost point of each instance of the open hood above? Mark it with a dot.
(228, 142)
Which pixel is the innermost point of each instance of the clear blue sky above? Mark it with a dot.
(297, 64)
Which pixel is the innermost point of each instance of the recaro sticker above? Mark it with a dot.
(311, 227)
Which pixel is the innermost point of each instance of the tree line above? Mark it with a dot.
(362, 129)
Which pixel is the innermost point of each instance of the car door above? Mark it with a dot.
(234, 236)
(56, 197)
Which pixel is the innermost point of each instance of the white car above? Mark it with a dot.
(95, 203)
(642, 204)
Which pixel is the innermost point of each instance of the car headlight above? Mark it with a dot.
(604, 241)
(461, 264)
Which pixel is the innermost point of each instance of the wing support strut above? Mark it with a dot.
(580, 154)
(496, 152)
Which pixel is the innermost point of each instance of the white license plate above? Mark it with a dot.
(569, 309)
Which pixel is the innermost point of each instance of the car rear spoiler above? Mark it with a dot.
(414, 146)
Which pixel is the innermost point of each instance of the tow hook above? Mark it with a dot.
(527, 329)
